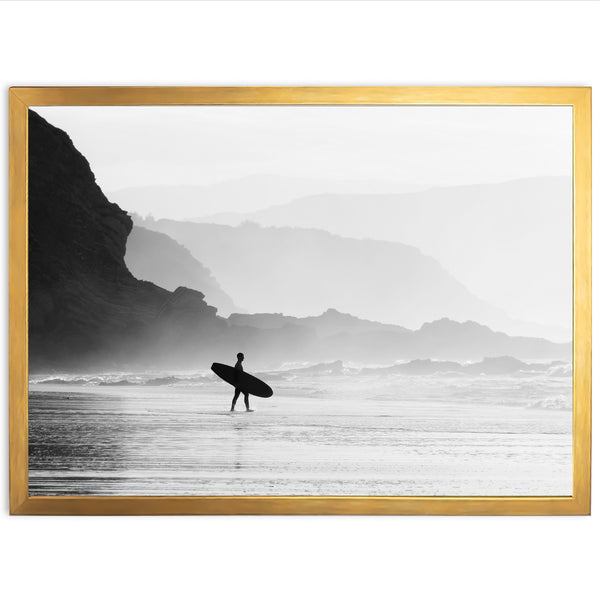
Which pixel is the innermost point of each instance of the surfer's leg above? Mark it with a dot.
(235, 397)
(247, 402)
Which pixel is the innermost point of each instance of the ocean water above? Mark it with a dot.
(318, 435)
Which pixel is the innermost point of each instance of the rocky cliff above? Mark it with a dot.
(85, 307)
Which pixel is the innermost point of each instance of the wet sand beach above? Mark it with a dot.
(320, 438)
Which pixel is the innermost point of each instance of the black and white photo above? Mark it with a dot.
(300, 300)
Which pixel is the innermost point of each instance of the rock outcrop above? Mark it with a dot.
(153, 256)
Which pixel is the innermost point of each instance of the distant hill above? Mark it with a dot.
(153, 256)
(187, 202)
(331, 322)
(306, 271)
(334, 336)
(508, 243)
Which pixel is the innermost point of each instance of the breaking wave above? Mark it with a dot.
(558, 402)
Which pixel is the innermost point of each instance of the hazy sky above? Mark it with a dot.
(139, 146)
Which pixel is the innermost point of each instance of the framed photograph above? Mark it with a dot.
(300, 300)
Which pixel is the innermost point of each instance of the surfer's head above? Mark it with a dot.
(240, 356)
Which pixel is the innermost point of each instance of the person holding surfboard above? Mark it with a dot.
(243, 382)
(238, 370)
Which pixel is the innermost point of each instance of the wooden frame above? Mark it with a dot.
(580, 101)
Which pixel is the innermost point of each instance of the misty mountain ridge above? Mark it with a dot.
(384, 281)
(497, 239)
(250, 192)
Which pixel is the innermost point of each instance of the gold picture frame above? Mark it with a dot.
(20, 98)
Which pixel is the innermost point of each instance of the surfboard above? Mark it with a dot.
(244, 381)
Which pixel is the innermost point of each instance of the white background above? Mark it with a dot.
(314, 43)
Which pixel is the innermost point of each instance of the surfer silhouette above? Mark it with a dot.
(243, 382)
(239, 369)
